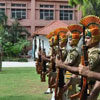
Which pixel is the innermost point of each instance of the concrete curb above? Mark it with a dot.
(18, 64)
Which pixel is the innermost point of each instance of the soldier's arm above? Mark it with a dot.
(69, 68)
(46, 58)
(84, 70)
(94, 75)
(95, 91)
(65, 66)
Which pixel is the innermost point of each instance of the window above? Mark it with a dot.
(66, 14)
(46, 6)
(18, 5)
(2, 4)
(18, 13)
(2, 10)
(46, 14)
(65, 6)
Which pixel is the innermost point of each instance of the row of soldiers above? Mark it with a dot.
(73, 64)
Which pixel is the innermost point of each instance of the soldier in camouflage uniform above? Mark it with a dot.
(62, 43)
(50, 36)
(73, 58)
(92, 41)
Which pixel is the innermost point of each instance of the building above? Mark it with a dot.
(35, 14)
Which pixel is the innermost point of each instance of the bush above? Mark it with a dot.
(14, 59)
(22, 60)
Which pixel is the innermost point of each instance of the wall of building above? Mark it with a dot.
(24, 22)
(56, 9)
(33, 21)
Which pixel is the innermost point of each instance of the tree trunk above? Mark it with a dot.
(0, 58)
(0, 62)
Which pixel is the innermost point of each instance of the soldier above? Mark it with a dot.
(51, 64)
(92, 41)
(62, 44)
(50, 36)
(73, 58)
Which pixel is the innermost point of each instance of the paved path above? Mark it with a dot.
(18, 64)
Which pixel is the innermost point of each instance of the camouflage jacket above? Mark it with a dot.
(94, 59)
(64, 53)
(73, 57)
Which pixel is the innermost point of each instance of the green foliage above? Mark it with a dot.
(3, 19)
(11, 39)
(22, 60)
(14, 59)
(19, 46)
(88, 7)
(7, 48)
(15, 32)
(16, 49)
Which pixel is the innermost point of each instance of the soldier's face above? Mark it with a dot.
(88, 40)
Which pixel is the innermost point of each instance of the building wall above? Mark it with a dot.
(38, 22)
(25, 22)
(33, 21)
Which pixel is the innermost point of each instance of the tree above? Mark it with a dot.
(13, 38)
(16, 40)
(88, 7)
(1, 44)
(15, 32)
(3, 19)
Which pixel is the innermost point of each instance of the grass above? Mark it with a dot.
(22, 84)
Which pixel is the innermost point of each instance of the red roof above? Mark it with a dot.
(49, 28)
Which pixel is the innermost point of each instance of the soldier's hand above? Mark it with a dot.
(52, 59)
(43, 56)
(58, 63)
(83, 70)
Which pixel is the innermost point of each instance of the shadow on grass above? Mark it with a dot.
(24, 97)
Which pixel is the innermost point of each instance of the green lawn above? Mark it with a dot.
(22, 84)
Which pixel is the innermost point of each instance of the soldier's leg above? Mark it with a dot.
(49, 90)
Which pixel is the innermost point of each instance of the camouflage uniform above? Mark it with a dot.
(73, 58)
(64, 53)
(92, 23)
(94, 59)
(62, 44)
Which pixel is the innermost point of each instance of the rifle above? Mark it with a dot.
(52, 68)
(43, 72)
(84, 61)
(53, 54)
(38, 61)
(60, 77)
